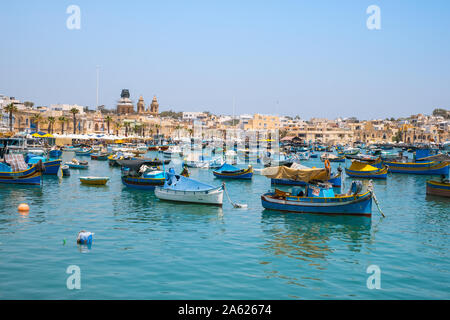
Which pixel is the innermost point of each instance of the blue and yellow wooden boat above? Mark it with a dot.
(335, 180)
(16, 171)
(51, 165)
(365, 170)
(427, 168)
(99, 156)
(438, 188)
(321, 199)
(147, 181)
(84, 152)
(227, 171)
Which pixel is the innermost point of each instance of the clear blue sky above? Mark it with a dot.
(311, 58)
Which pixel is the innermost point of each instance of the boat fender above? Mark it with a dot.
(84, 237)
(327, 164)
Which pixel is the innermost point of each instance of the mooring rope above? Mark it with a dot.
(375, 197)
(235, 205)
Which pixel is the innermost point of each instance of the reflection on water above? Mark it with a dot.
(307, 236)
(144, 206)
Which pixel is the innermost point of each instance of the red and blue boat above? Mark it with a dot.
(438, 188)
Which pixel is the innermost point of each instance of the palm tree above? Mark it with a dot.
(10, 108)
(157, 127)
(117, 127)
(127, 125)
(51, 122)
(62, 120)
(144, 126)
(28, 104)
(177, 129)
(74, 112)
(37, 118)
(108, 120)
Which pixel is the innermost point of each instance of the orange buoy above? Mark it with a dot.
(23, 207)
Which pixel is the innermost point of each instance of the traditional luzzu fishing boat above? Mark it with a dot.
(318, 197)
(14, 170)
(365, 170)
(433, 165)
(351, 151)
(438, 188)
(94, 181)
(332, 158)
(52, 163)
(141, 175)
(101, 156)
(84, 152)
(181, 189)
(227, 171)
(75, 164)
(335, 178)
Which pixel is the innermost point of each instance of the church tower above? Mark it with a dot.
(141, 105)
(154, 107)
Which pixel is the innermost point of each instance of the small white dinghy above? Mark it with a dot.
(182, 189)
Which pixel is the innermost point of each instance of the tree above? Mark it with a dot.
(51, 122)
(62, 120)
(108, 120)
(37, 119)
(74, 112)
(442, 113)
(177, 129)
(117, 127)
(11, 109)
(157, 127)
(127, 126)
(28, 104)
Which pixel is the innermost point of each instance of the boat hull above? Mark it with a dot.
(142, 183)
(94, 182)
(336, 182)
(30, 176)
(360, 205)
(375, 174)
(427, 168)
(437, 188)
(241, 174)
(52, 167)
(213, 196)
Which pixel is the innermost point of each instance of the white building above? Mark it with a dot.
(66, 107)
(194, 115)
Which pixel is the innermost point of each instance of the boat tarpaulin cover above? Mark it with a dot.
(180, 183)
(360, 166)
(437, 157)
(16, 162)
(227, 168)
(305, 175)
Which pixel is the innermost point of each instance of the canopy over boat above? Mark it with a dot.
(437, 157)
(137, 163)
(305, 175)
(227, 168)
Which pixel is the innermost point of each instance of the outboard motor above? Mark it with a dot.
(355, 187)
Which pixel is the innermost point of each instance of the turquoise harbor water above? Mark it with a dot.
(145, 248)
